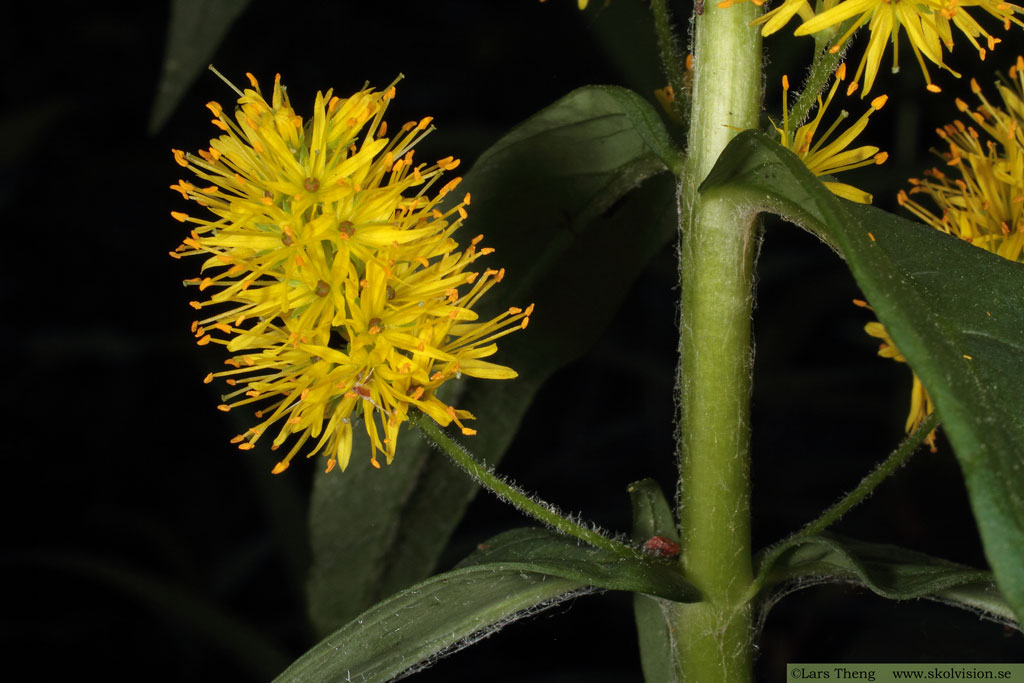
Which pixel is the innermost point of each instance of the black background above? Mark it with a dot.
(118, 480)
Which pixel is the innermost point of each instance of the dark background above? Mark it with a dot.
(137, 540)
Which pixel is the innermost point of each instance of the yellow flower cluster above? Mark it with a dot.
(331, 273)
(985, 204)
(824, 155)
(928, 25)
(979, 197)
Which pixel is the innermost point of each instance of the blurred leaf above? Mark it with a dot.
(197, 27)
(249, 649)
(955, 311)
(625, 36)
(890, 571)
(655, 617)
(544, 197)
(516, 572)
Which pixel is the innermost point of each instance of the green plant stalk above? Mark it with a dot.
(539, 510)
(865, 488)
(672, 58)
(718, 244)
(822, 68)
(824, 65)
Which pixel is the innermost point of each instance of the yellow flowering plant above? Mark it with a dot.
(340, 274)
(375, 310)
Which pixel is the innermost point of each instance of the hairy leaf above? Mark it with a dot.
(516, 572)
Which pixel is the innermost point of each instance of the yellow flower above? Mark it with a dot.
(332, 274)
(833, 157)
(980, 197)
(925, 22)
(775, 19)
(983, 203)
(921, 405)
(928, 25)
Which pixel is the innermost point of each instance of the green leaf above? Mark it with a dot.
(197, 27)
(655, 617)
(955, 311)
(543, 196)
(516, 572)
(540, 550)
(647, 123)
(889, 571)
(437, 616)
(251, 650)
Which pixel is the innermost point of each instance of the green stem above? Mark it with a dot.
(867, 485)
(717, 248)
(824, 64)
(672, 59)
(539, 510)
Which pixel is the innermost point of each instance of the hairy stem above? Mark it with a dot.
(824, 64)
(717, 250)
(539, 510)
